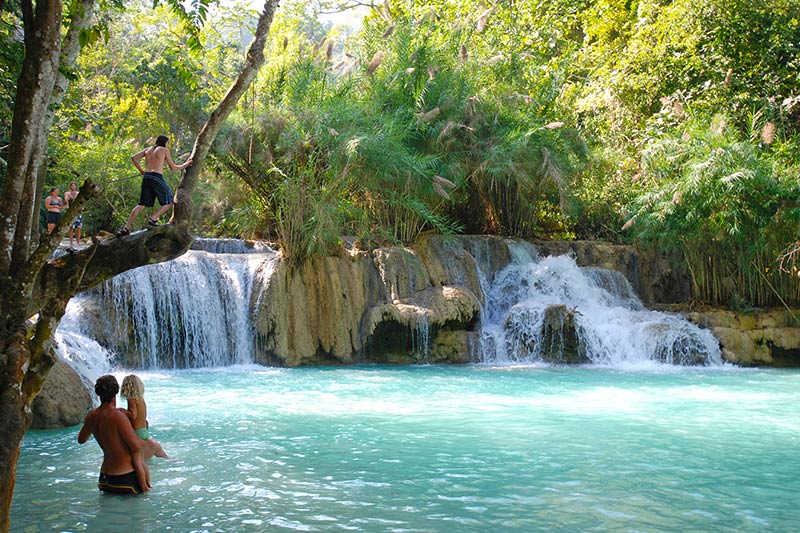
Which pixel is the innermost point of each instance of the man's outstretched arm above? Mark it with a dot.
(87, 429)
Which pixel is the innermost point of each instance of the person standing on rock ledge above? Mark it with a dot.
(153, 184)
(119, 474)
(70, 196)
(54, 204)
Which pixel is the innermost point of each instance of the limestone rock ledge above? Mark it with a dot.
(769, 337)
(63, 401)
(392, 305)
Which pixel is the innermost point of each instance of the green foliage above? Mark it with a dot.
(719, 56)
(11, 54)
(408, 133)
(536, 119)
(722, 202)
(143, 82)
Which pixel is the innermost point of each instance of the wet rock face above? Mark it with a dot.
(63, 401)
(768, 338)
(560, 342)
(555, 341)
(380, 307)
(402, 304)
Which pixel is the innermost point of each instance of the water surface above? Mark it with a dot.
(471, 448)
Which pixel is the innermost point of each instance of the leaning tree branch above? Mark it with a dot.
(75, 272)
(49, 242)
(209, 131)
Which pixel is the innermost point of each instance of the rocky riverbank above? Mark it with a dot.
(763, 337)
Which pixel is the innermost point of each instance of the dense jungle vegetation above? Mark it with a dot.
(667, 124)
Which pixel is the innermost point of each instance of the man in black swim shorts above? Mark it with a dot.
(122, 484)
(120, 473)
(153, 183)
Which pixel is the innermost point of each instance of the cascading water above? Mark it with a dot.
(85, 355)
(195, 312)
(190, 312)
(598, 307)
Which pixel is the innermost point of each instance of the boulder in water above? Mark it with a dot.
(560, 342)
(63, 401)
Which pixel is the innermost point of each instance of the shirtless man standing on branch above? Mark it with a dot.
(153, 184)
(119, 474)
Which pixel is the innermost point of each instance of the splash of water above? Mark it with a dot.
(612, 326)
(84, 354)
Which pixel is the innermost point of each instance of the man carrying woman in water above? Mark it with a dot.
(120, 472)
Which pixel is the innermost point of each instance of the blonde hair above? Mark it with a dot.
(132, 387)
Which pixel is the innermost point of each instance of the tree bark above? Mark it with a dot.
(209, 131)
(36, 81)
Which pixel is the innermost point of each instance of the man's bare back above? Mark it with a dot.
(154, 159)
(114, 433)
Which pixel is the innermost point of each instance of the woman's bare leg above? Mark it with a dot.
(154, 448)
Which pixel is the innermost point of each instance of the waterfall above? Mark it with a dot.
(421, 338)
(597, 307)
(230, 246)
(193, 311)
(73, 343)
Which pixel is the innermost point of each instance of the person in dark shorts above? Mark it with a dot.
(122, 484)
(153, 183)
(70, 196)
(120, 473)
(54, 204)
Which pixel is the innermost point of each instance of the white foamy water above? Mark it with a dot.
(191, 312)
(83, 353)
(612, 325)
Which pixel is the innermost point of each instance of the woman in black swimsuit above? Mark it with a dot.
(54, 205)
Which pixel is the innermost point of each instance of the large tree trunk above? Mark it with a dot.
(42, 49)
(202, 145)
(36, 81)
(34, 288)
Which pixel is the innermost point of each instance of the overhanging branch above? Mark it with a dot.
(76, 272)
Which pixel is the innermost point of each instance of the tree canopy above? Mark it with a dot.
(532, 119)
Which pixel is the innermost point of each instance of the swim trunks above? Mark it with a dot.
(154, 186)
(119, 484)
(78, 223)
(52, 218)
(143, 433)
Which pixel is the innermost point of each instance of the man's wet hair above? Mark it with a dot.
(161, 140)
(106, 387)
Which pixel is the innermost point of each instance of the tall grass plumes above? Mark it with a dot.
(408, 132)
(728, 205)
